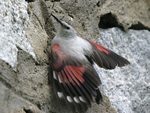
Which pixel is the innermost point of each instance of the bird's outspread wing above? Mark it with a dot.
(106, 58)
(74, 81)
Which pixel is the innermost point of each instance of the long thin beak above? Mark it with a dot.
(57, 19)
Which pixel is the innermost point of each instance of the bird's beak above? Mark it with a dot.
(57, 19)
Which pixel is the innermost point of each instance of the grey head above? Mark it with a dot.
(65, 30)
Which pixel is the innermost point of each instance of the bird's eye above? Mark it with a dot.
(68, 28)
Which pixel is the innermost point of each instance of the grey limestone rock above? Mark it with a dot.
(24, 53)
(129, 86)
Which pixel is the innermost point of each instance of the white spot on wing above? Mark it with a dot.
(82, 99)
(76, 100)
(60, 94)
(59, 79)
(54, 75)
(69, 99)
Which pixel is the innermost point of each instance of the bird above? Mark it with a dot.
(74, 79)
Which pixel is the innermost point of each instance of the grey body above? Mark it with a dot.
(71, 44)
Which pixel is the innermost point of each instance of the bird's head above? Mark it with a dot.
(65, 30)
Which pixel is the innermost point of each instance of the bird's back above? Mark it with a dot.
(76, 46)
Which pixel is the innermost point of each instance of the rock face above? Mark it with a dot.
(13, 22)
(128, 86)
(24, 52)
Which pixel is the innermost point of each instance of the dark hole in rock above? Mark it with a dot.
(27, 110)
(54, 0)
(29, 1)
(108, 21)
(139, 26)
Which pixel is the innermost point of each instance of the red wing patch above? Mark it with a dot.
(106, 58)
(73, 73)
(101, 48)
(78, 72)
(73, 81)
(57, 57)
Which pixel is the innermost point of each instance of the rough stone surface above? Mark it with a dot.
(128, 86)
(25, 37)
(12, 103)
(13, 22)
(129, 14)
(36, 33)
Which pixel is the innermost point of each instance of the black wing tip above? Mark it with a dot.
(99, 97)
(124, 62)
(121, 61)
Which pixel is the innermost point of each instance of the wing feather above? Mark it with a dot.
(106, 58)
(74, 81)
(65, 94)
